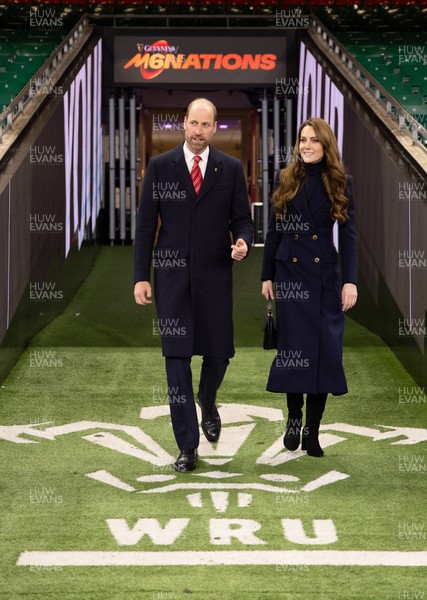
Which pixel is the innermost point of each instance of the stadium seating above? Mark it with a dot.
(22, 53)
(375, 37)
(396, 60)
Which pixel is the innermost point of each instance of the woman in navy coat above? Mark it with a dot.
(312, 194)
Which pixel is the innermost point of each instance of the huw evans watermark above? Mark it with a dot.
(168, 191)
(292, 19)
(45, 291)
(42, 494)
(45, 18)
(45, 155)
(291, 359)
(413, 190)
(169, 328)
(168, 259)
(291, 291)
(45, 223)
(414, 259)
(45, 86)
(409, 327)
(45, 359)
(412, 395)
(167, 122)
(412, 55)
(168, 395)
(291, 223)
(290, 86)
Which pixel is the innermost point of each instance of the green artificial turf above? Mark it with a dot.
(104, 313)
(99, 362)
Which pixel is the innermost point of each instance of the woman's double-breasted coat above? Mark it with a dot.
(300, 257)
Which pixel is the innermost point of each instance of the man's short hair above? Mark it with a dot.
(202, 100)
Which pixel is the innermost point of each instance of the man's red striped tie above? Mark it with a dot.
(196, 175)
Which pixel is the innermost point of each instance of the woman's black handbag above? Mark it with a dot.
(270, 333)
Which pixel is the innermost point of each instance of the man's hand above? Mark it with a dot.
(267, 289)
(142, 292)
(239, 249)
(349, 296)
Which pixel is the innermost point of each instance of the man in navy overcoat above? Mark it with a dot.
(201, 232)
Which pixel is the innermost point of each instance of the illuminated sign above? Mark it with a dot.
(198, 60)
(322, 98)
(83, 149)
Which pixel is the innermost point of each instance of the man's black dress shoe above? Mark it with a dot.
(186, 461)
(211, 423)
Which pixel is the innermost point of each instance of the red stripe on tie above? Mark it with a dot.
(196, 175)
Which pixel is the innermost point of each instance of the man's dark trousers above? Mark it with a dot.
(181, 396)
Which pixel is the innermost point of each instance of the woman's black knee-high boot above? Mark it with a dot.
(315, 407)
(292, 436)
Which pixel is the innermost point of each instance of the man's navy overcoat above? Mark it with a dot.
(192, 258)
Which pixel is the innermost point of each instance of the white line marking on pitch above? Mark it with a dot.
(106, 477)
(258, 557)
(218, 486)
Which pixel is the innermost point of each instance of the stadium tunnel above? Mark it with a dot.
(80, 121)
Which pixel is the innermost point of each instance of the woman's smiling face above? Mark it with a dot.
(310, 149)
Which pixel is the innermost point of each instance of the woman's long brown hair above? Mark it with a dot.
(333, 176)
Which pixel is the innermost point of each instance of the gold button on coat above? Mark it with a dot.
(317, 259)
(314, 237)
(294, 259)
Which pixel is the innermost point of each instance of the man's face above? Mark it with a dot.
(199, 127)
